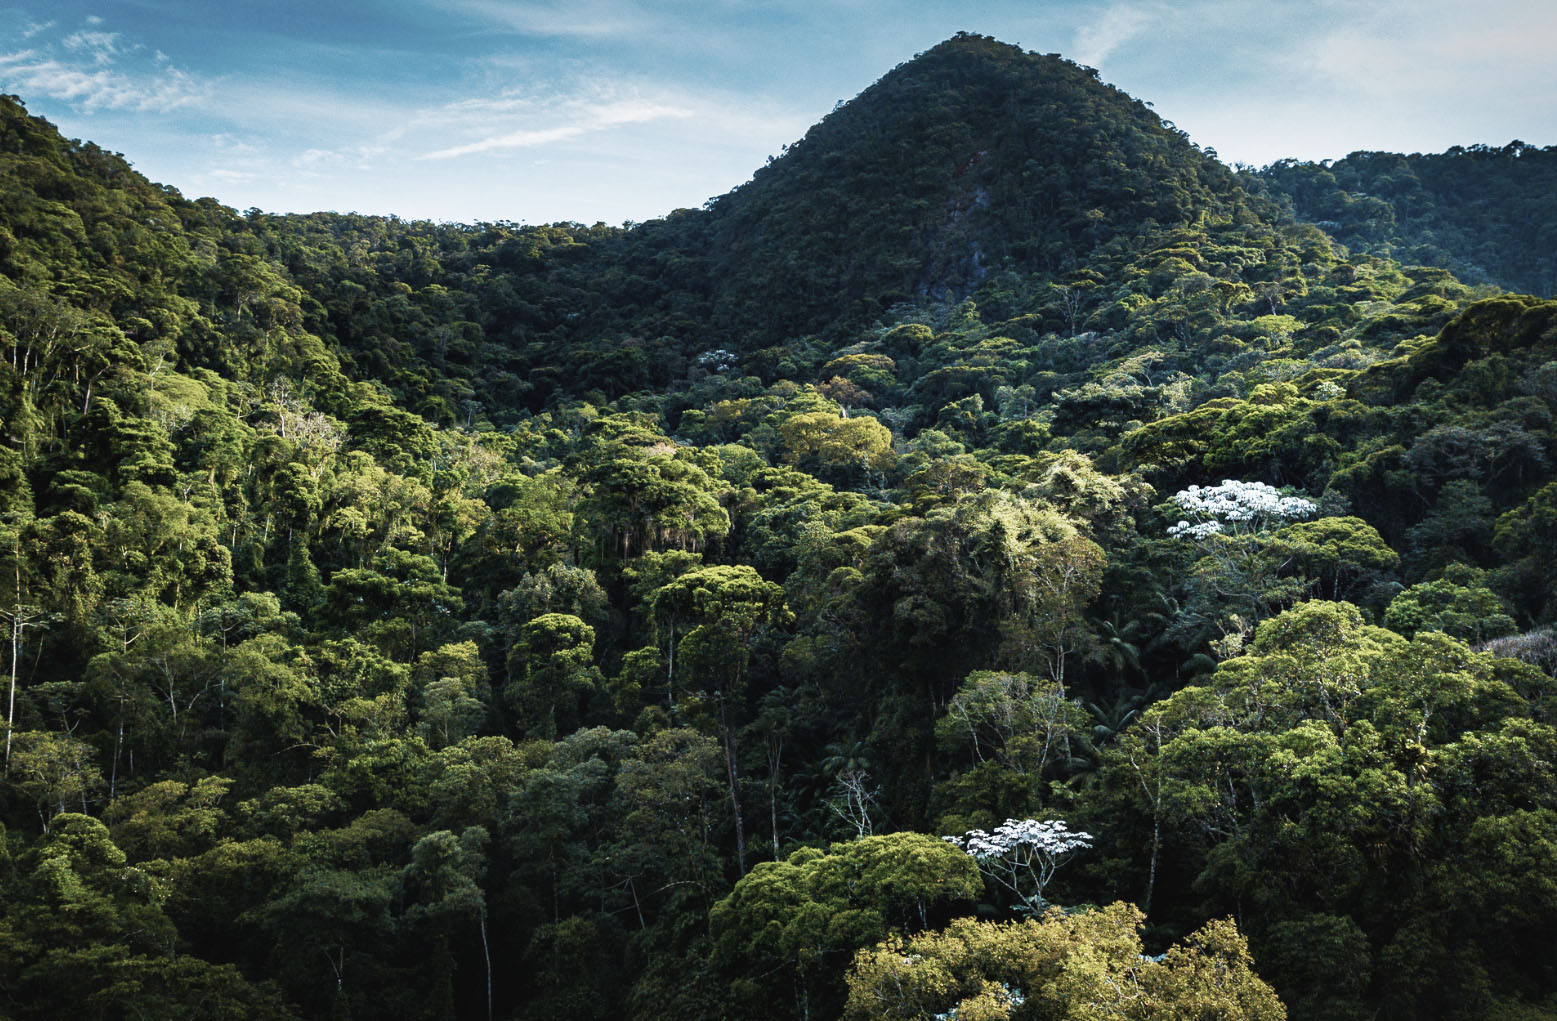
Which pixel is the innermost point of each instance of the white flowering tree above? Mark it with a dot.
(1022, 855)
(1236, 508)
(1236, 580)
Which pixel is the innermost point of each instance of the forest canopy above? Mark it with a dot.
(997, 562)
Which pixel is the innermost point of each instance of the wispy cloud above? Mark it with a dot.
(1097, 40)
(576, 19)
(100, 47)
(85, 70)
(319, 159)
(580, 120)
(1437, 51)
(32, 73)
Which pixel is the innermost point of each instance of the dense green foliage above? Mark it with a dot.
(415, 620)
(1486, 213)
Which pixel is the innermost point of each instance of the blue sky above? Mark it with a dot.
(547, 110)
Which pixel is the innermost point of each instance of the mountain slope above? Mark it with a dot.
(974, 157)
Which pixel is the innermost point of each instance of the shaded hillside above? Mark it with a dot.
(975, 157)
(1488, 214)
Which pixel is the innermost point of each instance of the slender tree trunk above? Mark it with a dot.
(633, 888)
(773, 816)
(113, 774)
(10, 712)
(670, 671)
(732, 770)
(337, 967)
(16, 645)
(1151, 871)
(486, 954)
(1154, 798)
(775, 762)
(735, 801)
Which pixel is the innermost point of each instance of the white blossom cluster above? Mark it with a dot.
(1195, 530)
(717, 360)
(1050, 836)
(1246, 506)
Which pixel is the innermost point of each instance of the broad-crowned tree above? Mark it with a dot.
(788, 929)
(1089, 964)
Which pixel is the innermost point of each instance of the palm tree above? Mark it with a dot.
(1119, 649)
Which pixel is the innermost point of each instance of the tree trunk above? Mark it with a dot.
(732, 770)
(10, 712)
(775, 763)
(1151, 872)
(487, 956)
(113, 775)
(773, 817)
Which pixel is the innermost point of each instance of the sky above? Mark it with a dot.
(540, 111)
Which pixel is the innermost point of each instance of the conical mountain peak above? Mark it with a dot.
(973, 157)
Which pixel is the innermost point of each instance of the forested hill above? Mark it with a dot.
(974, 167)
(1486, 213)
(974, 158)
(558, 621)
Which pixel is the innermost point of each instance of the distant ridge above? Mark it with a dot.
(1487, 213)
